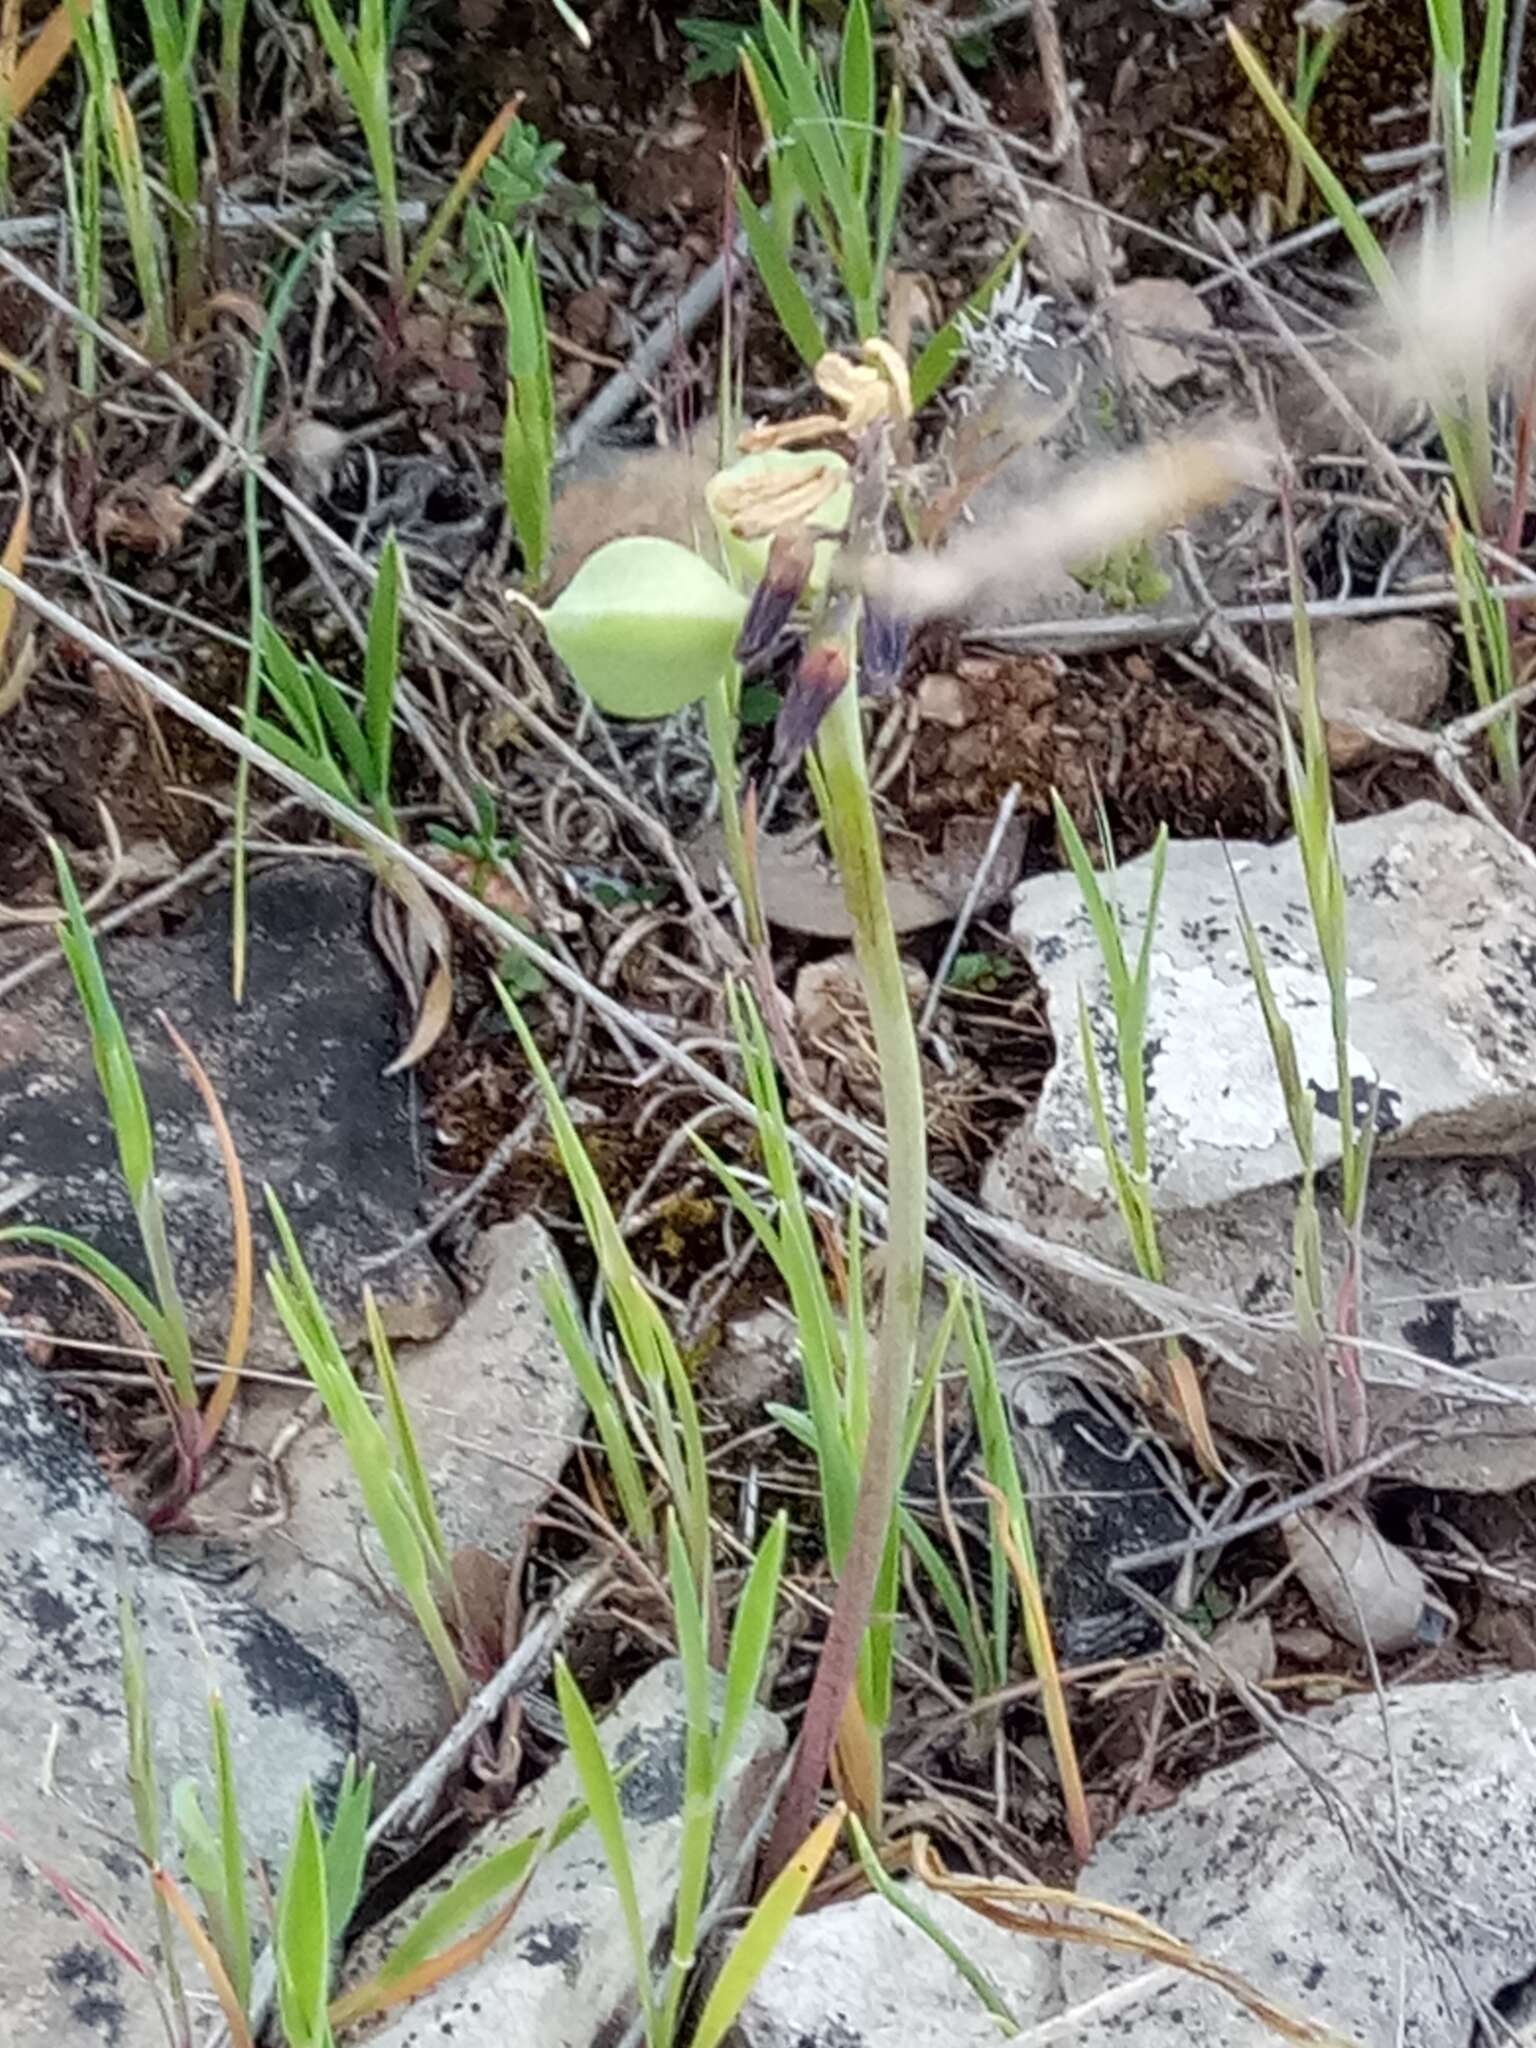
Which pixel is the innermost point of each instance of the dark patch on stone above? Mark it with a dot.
(285, 1678)
(1433, 1333)
(1388, 1103)
(653, 1791)
(554, 1943)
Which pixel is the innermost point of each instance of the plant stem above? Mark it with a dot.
(720, 723)
(849, 819)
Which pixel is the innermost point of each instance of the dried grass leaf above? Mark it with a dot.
(37, 63)
(16, 671)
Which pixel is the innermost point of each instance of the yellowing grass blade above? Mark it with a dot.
(240, 1226)
(761, 1935)
(13, 675)
(1042, 1655)
(234, 2017)
(37, 64)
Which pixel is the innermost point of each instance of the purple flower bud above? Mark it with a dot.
(809, 698)
(883, 642)
(774, 600)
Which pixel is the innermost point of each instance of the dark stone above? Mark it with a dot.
(1096, 1497)
(299, 1067)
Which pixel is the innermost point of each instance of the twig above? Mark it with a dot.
(628, 385)
(1129, 629)
(412, 1806)
(231, 216)
(1005, 811)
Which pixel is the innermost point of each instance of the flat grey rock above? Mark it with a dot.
(1295, 1882)
(299, 1066)
(496, 1412)
(860, 1975)
(1442, 956)
(562, 1975)
(67, 1548)
(1449, 1314)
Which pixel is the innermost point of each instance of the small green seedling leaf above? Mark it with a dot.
(645, 626)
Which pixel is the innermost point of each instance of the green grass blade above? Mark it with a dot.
(116, 1071)
(1357, 230)
(856, 95)
(903, 1899)
(1483, 135)
(302, 1937)
(346, 1845)
(381, 671)
(602, 1797)
(402, 1434)
(618, 1449)
(484, 1885)
(751, 1633)
(787, 295)
(232, 1852)
(963, 1618)
(111, 1276)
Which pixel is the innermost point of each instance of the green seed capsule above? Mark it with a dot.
(645, 626)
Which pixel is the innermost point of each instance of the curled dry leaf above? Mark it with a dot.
(414, 937)
(144, 516)
(1364, 1588)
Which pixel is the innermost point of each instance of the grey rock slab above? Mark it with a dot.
(1442, 1019)
(1449, 1248)
(562, 1976)
(1287, 1878)
(496, 1412)
(299, 1066)
(861, 1975)
(67, 1548)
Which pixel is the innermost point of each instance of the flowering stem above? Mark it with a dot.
(849, 821)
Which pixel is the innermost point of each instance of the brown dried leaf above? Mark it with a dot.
(146, 517)
(37, 63)
(14, 673)
(414, 937)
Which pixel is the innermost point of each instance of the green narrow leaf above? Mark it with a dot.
(381, 670)
(232, 1853)
(795, 313)
(903, 1899)
(602, 1798)
(856, 92)
(302, 1938)
(346, 1846)
(402, 1434)
(751, 1633)
(763, 1932)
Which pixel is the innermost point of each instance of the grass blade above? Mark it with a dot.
(302, 1937)
(602, 1796)
(761, 1936)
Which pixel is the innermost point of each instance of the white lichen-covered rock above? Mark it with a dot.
(68, 1551)
(1287, 1867)
(861, 1975)
(563, 1975)
(1442, 1003)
